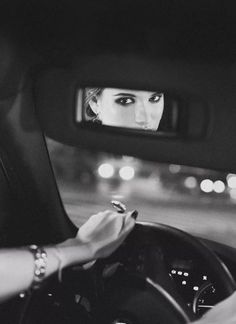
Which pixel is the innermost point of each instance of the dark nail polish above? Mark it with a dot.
(134, 214)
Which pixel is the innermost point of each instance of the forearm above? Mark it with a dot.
(17, 266)
(97, 238)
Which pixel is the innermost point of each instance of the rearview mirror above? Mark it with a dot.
(147, 111)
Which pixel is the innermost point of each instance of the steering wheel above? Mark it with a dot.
(132, 286)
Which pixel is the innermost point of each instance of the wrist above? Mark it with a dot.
(73, 252)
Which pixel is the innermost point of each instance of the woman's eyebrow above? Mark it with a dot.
(125, 94)
(157, 93)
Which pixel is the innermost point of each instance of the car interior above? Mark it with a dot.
(51, 53)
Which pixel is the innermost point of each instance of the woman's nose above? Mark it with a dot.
(141, 115)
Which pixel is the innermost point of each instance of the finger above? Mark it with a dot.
(129, 223)
(132, 214)
(124, 233)
(123, 220)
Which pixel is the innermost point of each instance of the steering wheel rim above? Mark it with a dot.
(227, 281)
(216, 266)
(156, 293)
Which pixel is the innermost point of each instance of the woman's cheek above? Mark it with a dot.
(157, 113)
(160, 109)
(116, 109)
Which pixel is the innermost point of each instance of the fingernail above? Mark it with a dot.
(134, 214)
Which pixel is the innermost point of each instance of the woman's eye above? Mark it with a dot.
(155, 98)
(124, 101)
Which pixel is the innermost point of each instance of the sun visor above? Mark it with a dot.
(199, 100)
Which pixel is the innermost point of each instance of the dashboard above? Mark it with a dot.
(194, 281)
(195, 285)
(191, 278)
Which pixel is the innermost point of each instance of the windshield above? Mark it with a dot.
(201, 202)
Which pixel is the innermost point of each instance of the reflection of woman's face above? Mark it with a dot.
(130, 108)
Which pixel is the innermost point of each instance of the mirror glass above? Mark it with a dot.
(153, 111)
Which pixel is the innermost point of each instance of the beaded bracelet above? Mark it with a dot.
(40, 265)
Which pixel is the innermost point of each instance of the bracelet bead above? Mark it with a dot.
(40, 265)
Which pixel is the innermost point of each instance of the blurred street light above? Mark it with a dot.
(106, 170)
(127, 173)
(219, 186)
(206, 185)
(231, 179)
(190, 182)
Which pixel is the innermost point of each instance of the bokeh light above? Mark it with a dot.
(127, 172)
(106, 170)
(206, 185)
(231, 180)
(219, 186)
(190, 182)
(174, 168)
